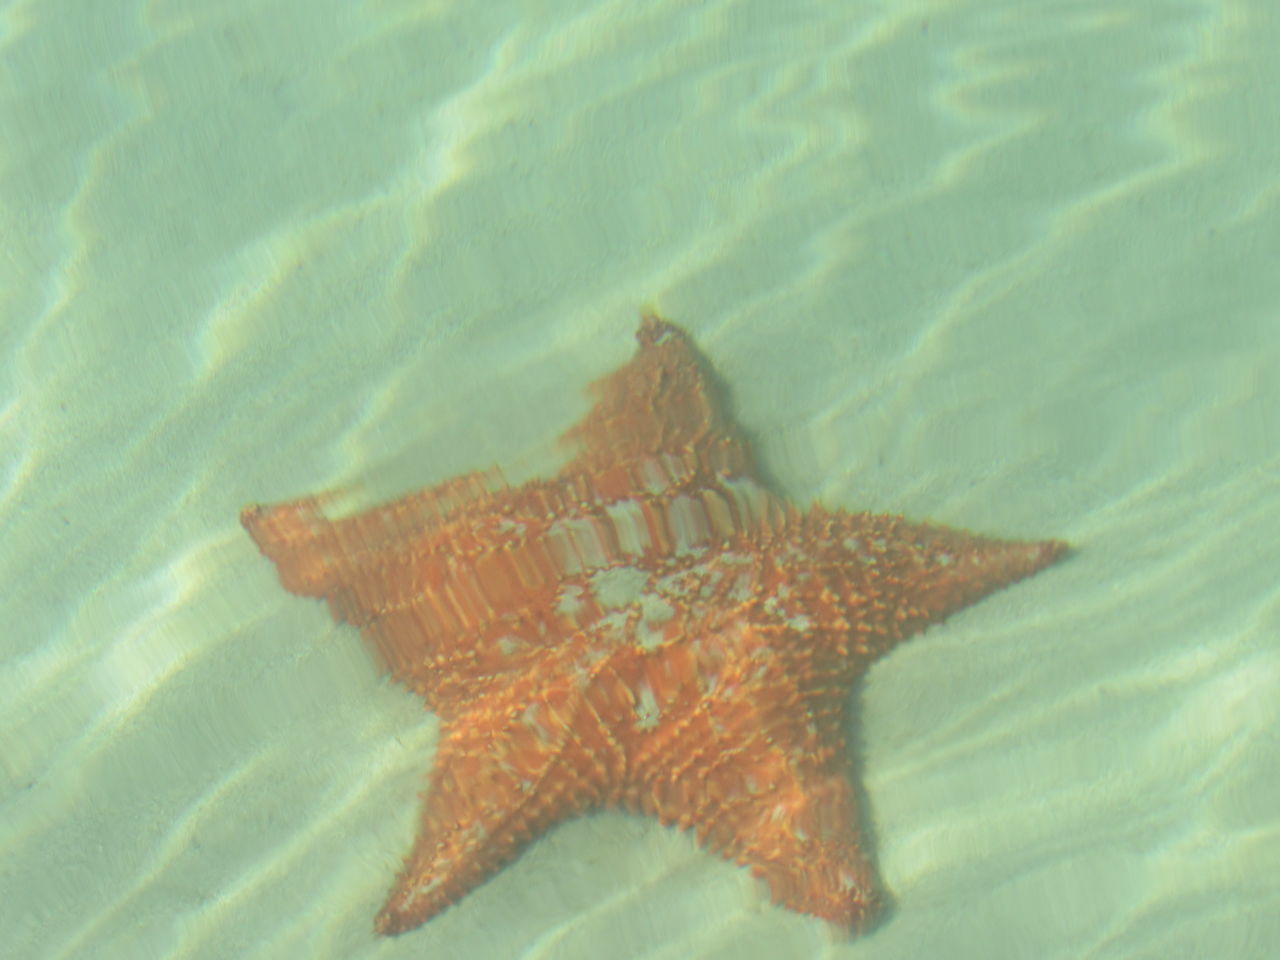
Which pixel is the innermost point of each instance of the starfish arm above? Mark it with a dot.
(764, 792)
(665, 401)
(520, 761)
(449, 586)
(804, 844)
(316, 553)
(295, 537)
(873, 580)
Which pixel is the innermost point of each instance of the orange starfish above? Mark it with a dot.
(652, 630)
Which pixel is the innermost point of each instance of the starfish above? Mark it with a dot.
(652, 629)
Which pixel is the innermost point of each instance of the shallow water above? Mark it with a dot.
(1006, 266)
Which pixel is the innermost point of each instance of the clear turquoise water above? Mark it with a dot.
(1005, 265)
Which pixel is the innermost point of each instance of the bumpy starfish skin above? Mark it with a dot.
(651, 630)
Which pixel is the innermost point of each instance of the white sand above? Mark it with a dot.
(1005, 269)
